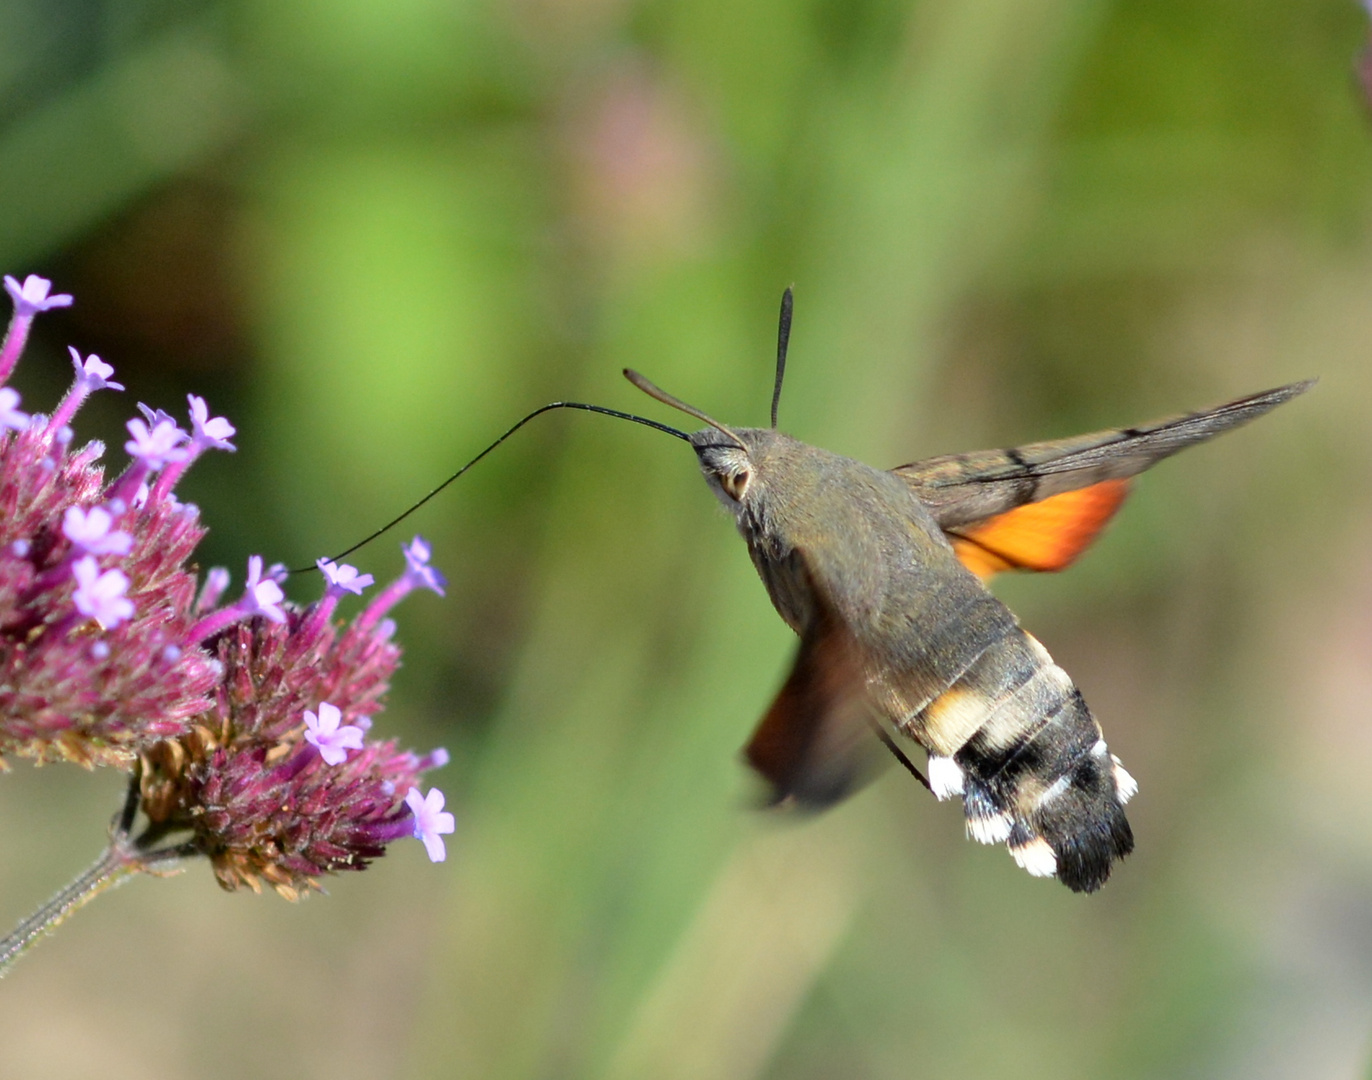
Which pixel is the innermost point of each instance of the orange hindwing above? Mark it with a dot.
(1046, 535)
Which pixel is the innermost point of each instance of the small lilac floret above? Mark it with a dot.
(101, 596)
(262, 596)
(216, 582)
(434, 759)
(345, 578)
(430, 821)
(20, 548)
(32, 297)
(209, 432)
(154, 416)
(277, 572)
(156, 446)
(91, 532)
(100, 651)
(10, 416)
(333, 741)
(419, 572)
(93, 372)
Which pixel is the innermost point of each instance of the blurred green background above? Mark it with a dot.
(375, 233)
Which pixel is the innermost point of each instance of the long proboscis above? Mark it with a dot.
(537, 412)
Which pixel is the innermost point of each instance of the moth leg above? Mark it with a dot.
(900, 755)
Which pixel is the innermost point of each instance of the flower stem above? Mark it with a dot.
(122, 859)
(15, 336)
(113, 868)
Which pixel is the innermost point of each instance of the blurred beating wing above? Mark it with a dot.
(1038, 506)
(815, 745)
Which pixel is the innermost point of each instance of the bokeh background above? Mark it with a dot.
(375, 232)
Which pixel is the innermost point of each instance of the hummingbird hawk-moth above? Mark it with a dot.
(882, 574)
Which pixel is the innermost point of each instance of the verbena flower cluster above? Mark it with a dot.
(248, 721)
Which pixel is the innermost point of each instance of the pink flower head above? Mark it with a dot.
(10, 416)
(246, 717)
(344, 578)
(101, 596)
(209, 432)
(333, 741)
(262, 596)
(431, 821)
(158, 445)
(90, 531)
(93, 373)
(32, 297)
(418, 571)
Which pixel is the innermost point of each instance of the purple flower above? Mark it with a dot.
(262, 596)
(101, 596)
(154, 416)
(419, 572)
(333, 741)
(430, 821)
(209, 432)
(10, 416)
(32, 297)
(434, 759)
(90, 531)
(216, 582)
(93, 372)
(158, 445)
(344, 578)
(235, 723)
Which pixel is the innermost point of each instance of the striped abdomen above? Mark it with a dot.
(1014, 738)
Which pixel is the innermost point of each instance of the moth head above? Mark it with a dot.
(729, 457)
(730, 467)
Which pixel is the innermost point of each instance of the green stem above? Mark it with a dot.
(122, 859)
(113, 868)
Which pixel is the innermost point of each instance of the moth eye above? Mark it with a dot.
(736, 483)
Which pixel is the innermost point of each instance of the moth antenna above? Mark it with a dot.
(676, 403)
(537, 412)
(783, 339)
